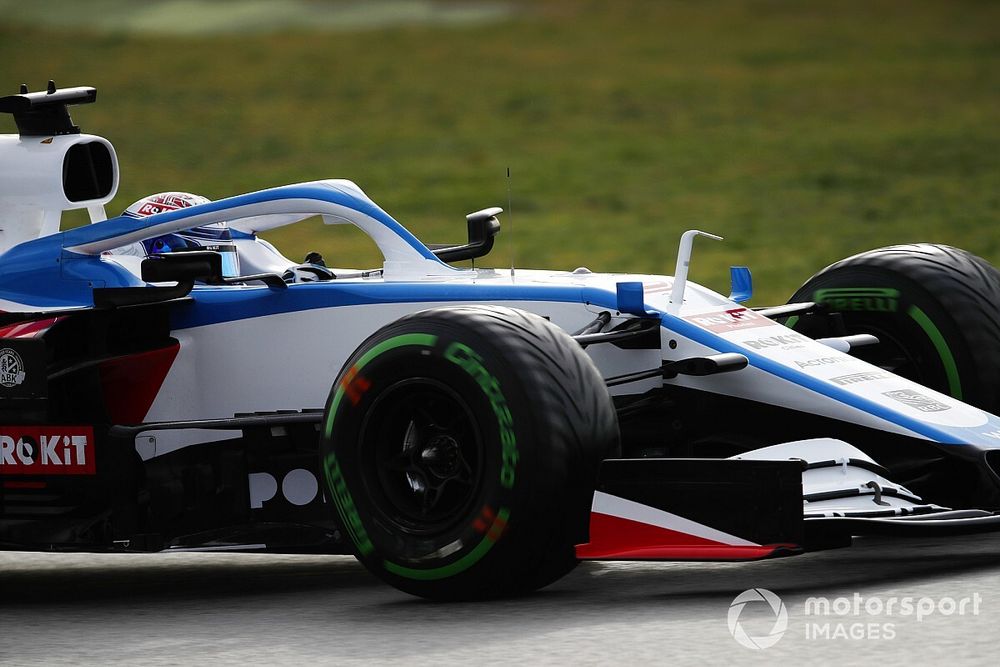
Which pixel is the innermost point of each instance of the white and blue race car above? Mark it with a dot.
(465, 432)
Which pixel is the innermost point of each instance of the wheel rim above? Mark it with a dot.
(890, 354)
(421, 456)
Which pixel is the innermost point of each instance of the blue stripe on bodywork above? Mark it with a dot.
(941, 434)
(217, 305)
(214, 305)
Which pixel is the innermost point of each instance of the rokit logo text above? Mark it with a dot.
(47, 450)
(776, 341)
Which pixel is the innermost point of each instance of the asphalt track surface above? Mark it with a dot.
(273, 609)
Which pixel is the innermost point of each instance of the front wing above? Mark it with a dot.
(739, 510)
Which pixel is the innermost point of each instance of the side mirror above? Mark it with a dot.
(183, 267)
(483, 228)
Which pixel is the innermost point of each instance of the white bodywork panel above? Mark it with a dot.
(289, 360)
(32, 197)
(844, 477)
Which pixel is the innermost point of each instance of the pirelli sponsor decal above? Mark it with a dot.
(734, 319)
(917, 400)
(871, 299)
(854, 378)
(47, 450)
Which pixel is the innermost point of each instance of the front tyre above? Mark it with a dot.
(461, 447)
(933, 309)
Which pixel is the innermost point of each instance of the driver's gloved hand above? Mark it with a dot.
(314, 258)
(313, 270)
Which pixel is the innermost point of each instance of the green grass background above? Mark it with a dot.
(801, 131)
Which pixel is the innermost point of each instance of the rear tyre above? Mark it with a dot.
(461, 448)
(933, 307)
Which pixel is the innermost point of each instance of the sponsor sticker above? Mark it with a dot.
(854, 378)
(161, 203)
(917, 400)
(821, 361)
(658, 286)
(734, 319)
(22, 368)
(47, 450)
(784, 341)
(11, 368)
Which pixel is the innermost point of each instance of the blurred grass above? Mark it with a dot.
(802, 132)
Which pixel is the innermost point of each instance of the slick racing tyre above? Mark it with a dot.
(934, 309)
(461, 448)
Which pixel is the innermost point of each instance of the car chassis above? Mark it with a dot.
(151, 404)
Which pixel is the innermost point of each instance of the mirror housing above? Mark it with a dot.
(483, 228)
(183, 267)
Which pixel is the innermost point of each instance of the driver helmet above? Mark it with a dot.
(215, 236)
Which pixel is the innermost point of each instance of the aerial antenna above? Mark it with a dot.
(510, 224)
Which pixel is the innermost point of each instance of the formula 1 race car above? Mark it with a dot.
(465, 432)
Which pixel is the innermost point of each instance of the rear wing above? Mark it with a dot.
(44, 114)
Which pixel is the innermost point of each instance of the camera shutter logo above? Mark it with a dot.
(11, 368)
(777, 608)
